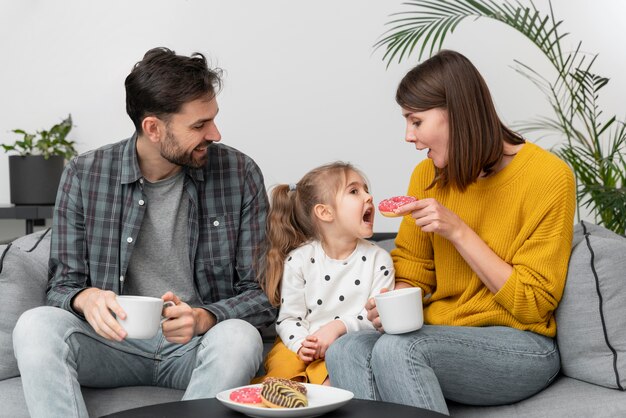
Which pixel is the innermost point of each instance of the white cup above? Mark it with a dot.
(143, 315)
(400, 310)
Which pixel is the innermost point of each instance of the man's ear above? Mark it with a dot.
(152, 128)
(324, 212)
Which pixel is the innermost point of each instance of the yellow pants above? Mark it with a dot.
(284, 363)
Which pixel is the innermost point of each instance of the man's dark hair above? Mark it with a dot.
(162, 82)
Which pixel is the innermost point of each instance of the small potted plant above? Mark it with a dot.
(35, 172)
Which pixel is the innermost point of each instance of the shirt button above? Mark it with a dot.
(141, 202)
(129, 240)
(141, 181)
(216, 223)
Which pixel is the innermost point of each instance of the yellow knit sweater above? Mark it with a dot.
(525, 214)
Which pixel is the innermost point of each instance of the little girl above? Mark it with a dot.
(320, 268)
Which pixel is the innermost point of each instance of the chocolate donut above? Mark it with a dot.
(291, 383)
(276, 394)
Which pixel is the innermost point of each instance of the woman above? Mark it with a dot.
(488, 241)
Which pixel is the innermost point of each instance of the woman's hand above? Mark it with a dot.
(432, 216)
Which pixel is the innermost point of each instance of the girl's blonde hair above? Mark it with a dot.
(291, 221)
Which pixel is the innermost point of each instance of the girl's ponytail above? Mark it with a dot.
(291, 222)
(284, 234)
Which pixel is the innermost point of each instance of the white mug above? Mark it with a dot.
(143, 315)
(400, 310)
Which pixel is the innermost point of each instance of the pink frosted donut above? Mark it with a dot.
(249, 395)
(387, 206)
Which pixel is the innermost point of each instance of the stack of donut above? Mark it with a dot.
(273, 393)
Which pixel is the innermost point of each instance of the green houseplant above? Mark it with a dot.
(593, 144)
(35, 170)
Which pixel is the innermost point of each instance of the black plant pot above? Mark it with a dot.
(34, 180)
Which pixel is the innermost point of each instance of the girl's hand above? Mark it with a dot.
(432, 216)
(309, 349)
(326, 335)
(372, 311)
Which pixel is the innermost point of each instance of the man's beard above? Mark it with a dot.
(171, 151)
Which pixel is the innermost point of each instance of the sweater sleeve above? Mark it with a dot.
(534, 289)
(292, 326)
(413, 256)
(383, 277)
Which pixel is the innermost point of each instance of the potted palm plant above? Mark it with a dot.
(594, 145)
(35, 170)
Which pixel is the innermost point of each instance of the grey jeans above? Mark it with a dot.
(470, 365)
(58, 352)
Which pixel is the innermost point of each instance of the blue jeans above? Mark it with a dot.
(58, 352)
(470, 365)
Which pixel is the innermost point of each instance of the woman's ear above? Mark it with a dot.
(152, 128)
(324, 212)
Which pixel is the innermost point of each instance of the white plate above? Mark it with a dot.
(322, 399)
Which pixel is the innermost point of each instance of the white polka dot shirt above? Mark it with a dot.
(316, 289)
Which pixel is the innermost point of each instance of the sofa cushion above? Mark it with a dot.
(591, 318)
(23, 279)
(564, 398)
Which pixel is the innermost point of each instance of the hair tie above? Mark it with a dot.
(292, 187)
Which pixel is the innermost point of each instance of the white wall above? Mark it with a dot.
(303, 86)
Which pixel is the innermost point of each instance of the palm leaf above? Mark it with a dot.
(593, 147)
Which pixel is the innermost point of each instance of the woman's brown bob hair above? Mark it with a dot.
(448, 80)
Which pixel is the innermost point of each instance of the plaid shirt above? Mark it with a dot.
(100, 206)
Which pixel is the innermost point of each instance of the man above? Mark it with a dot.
(169, 213)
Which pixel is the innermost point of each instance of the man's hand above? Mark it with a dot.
(96, 305)
(184, 322)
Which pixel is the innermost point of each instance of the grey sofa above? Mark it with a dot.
(592, 338)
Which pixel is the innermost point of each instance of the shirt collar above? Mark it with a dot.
(130, 164)
(197, 174)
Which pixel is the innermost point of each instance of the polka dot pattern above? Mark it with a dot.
(331, 288)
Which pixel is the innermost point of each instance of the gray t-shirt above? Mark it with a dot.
(160, 259)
